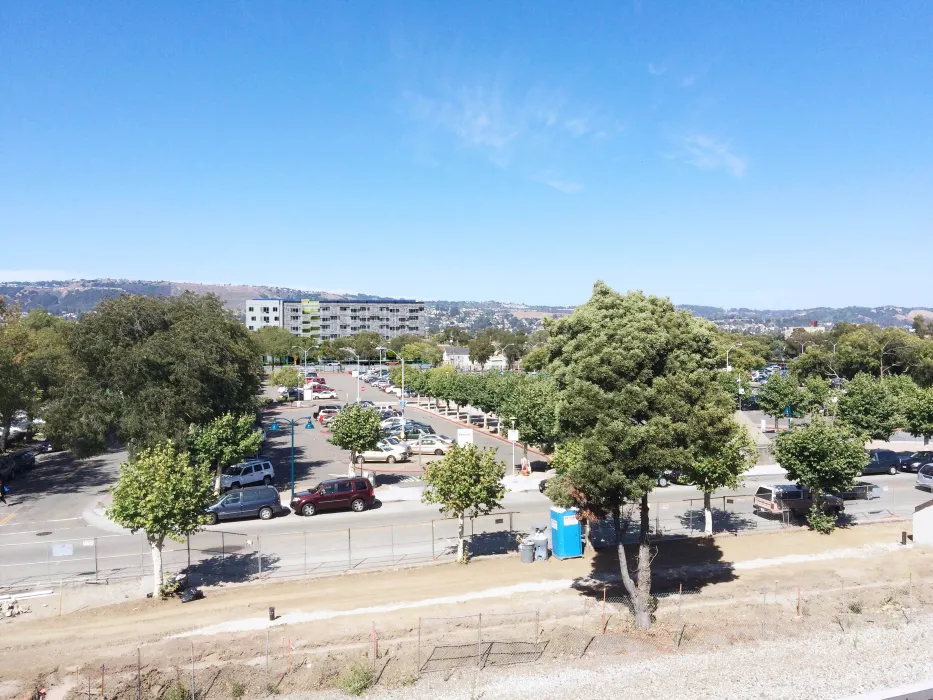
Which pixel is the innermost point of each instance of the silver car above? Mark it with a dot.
(925, 477)
(431, 445)
(385, 452)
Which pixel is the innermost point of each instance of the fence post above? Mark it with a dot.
(304, 542)
(910, 597)
(349, 550)
(142, 553)
(845, 608)
(433, 557)
(537, 624)
(259, 553)
(139, 682)
(48, 562)
(223, 549)
(95, 560)
(419, 647)
(194, 693)
(479, 642)
(188, 543)
(602, 624)
(392, 539)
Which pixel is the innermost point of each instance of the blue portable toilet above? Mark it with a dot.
(566, 540)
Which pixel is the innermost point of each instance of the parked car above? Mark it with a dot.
(325, 407)
(430, 445)
(925, 477)
(913, 462)
(385, 452)
(355, 494)
(882, 462)
(247, 473)
(254, 501)
(862, 490)
(780, 498)
(326, 415)
(325, 393)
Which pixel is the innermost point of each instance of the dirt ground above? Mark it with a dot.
(325, 624)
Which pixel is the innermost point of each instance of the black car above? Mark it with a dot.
(913, 462)
(882, 462)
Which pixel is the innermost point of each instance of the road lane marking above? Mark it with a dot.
(7, 519)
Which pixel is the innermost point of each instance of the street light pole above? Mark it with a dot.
(731, 348)
(402, 395)
(357, 372)
(309, 425)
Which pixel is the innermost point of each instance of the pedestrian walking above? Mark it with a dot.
(3, 491)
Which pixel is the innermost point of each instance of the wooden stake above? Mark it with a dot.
(798, 601)
(61, 594)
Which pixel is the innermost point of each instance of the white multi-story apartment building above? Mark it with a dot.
(329, 320)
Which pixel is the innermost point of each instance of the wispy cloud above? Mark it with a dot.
(530, 132)
(657, 68)
(561, 185)
(709, 153)
(689, 81)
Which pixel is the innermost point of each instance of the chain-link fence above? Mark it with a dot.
(478, 641)
(218, 556)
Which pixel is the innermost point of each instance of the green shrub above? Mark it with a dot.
(820, 520)
(357, 678)
(176, 691)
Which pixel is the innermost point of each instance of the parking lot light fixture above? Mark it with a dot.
(275, 427)
(731, 348)
(353, 352)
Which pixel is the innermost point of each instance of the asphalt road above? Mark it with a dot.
(51, 531)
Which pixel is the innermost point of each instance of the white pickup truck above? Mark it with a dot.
(777, 499)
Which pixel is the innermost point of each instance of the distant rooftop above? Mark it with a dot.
(345, 301)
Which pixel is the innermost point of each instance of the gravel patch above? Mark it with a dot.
(828, 665)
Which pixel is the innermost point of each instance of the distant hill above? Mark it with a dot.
(880, 315)
(74, 297)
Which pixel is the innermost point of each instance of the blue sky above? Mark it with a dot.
(766, 154)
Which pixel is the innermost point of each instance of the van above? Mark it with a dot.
(254, 501)
(247, 474)
(777, 499)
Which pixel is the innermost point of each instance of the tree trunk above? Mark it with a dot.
(485, 421)
(642, 602)
(156, 543)
(4, 433)
(627, 582)
(707, 513)
(461, 549)
(352, 471)
(926, 440)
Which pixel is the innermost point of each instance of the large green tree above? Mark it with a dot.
(869, 407)
(466, 482)
(719, 465)
(533, 406)
(636, 383)
(143, 369)
(287, 377)
(356, 429)
(824, 458)
(275, 342)
(919, 414)
(778, 395)
(224, 441)
(481, 350)
(164, 493)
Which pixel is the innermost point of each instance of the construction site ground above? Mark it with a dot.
(323, 625)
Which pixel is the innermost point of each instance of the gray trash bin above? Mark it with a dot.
(527, 550)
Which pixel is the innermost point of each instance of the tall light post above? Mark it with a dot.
(513, 419)
(309, 425)
(731, 348)
(508, 365)
(305, 353)
(402, 400)
(351, 350)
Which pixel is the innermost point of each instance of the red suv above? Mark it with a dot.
(355, 494)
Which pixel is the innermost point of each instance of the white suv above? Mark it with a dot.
(247, 474)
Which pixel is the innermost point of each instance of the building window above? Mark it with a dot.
(275, 318)
(252, 318)
(265, 309)
(251, 328)
(343, 308)
(265, 319)
(251, 308)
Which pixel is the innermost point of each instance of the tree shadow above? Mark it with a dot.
(693, 521)
(487, 543)
(678, 563)
(59, 473)
(237, 567)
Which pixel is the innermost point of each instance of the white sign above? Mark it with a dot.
(763, 428)
(62, 550)
(570, 520)
(464, 436)
(87, 543)
(513, 436)
(355, 373)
